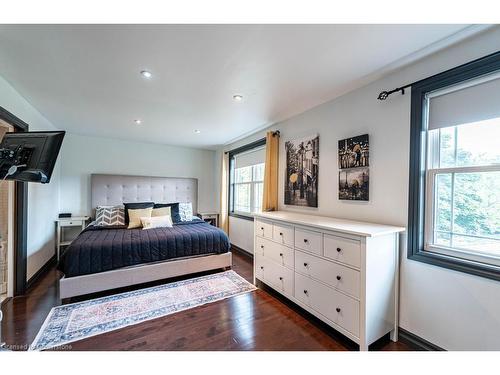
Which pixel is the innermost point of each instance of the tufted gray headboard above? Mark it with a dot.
(111, 189)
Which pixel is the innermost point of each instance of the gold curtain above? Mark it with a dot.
(270, 195)
(224, 190)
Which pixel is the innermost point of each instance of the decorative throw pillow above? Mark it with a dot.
(156, 222)
(135, 206)
(174, 210)
(186, 211)
(135, 217)
(107, 216)
(162, 211)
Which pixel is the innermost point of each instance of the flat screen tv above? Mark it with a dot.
(29, 156)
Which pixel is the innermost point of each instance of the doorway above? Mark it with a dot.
(6, 229)
(13, 222)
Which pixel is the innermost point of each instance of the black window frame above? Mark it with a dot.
(416, 197)
(232, 154)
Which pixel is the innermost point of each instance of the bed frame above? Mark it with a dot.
(116, 189)
(98, 282)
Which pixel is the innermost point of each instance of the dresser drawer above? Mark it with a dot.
(264, 229)
(283, 234)
(279, 277)
(71, 223)
(308, 240)
(259, 266)
(279, 253)
(335, 306)
(342, 249)
(336, 275)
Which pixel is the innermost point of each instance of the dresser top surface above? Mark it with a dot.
(358, 228)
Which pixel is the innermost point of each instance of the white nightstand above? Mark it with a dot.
(210, 217)
(68, 222)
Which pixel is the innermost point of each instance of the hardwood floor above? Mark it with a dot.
(257, 320)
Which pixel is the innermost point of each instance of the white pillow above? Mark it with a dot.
(156, 222)
(186, 211)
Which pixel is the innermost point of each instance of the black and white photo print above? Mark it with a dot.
(354, 184)
(354, 152)
(302, 165)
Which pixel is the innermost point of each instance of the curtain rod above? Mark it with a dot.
(252, 144)
(490, 61)
(385, 94)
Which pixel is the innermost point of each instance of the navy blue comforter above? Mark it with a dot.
(99, 249)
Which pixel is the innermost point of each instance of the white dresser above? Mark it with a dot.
(344, 272)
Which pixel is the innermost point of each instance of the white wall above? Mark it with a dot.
(241, 233)
(43, 200)
(80, 156)
(83, 155)
(454, 310)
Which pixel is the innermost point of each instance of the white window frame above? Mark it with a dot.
(432, 152)
(232, 184)
(252, 193)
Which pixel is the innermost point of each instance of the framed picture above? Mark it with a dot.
(301, 174)
(354, 152)
(354, 184)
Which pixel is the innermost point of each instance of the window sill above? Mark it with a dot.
(466, 255)
(248, 217)
(473, 268)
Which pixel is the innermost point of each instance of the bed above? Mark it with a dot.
(103, 258)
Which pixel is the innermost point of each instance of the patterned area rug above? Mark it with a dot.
(77, 321)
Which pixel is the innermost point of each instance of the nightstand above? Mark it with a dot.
(210, 217)
(63, 225)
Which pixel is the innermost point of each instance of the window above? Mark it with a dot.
(463, 197)
(248, 183)
(454, 208)
(247, 179)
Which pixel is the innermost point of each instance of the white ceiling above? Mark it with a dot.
(85, 78)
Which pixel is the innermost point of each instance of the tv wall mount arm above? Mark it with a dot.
(17, 158)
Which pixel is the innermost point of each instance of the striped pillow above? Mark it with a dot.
(110, 216)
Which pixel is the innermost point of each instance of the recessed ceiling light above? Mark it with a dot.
(237, 98)
(146, 74)
(197, 131)
(138, 122)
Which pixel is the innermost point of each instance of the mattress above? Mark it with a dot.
(100, 249)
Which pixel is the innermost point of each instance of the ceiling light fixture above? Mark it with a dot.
(138, 122)
(197, 131)
(237, 98)
(146, 74)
